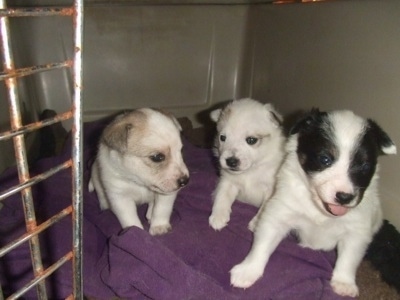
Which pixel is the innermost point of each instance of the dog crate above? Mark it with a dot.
(186, 56)
(14, 76)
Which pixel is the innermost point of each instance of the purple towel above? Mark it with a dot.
(190, 262)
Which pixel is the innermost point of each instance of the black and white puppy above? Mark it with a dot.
(327, 193)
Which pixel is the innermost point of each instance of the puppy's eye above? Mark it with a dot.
(157, 158)
(325, 160)
(251, 140)
(222, 138)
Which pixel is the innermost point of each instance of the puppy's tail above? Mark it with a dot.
(384, 254)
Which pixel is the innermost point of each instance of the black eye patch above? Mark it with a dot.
(363, 163)
(315, 151)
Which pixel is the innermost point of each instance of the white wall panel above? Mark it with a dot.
(181, 58)
(334, 55)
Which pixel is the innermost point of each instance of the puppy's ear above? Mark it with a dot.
(214, 115)
(176, 122)
(384, 142)
(309, 120)
(116, 136)
(276, 118)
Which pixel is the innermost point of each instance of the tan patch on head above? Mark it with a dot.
(226, 113)
(117, 135)
(170, 116)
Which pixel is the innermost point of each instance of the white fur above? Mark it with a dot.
(254, 179)
(125, 176)
(297, 205)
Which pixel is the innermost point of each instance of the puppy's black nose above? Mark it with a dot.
(232, 162)
(344, 198)
(183, 181)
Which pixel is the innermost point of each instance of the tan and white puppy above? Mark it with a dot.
(249, 146)
(139, 161)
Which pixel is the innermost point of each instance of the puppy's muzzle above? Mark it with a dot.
(232, 162)
(183, 181)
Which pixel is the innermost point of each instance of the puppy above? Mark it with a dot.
(249, 146)
(139, 161)
(327, 193)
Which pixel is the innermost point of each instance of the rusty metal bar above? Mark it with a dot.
(34, 126)
(54, 219)
(20, 151)
(36, 12)
(34, 180)
(46, 273)
(35, 69)
(17, 132)
(77, 152)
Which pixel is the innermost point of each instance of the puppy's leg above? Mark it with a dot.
(253, 222)
(149, 211)
(225, 195)
(95, 184)
(161, 213)
(125, 209)
(350, 253)
(267, 236)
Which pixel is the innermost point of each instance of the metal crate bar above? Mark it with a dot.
(20, 152)
(39, 279)
(35, 69)
(36, 12)
(34, 126)
(54, 219)
(16, 133)
(34, 180)
(77, 152)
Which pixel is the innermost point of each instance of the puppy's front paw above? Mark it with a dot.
(253, 223)
(159, 229)
(244, 275)
(218, 221)
(344, 288)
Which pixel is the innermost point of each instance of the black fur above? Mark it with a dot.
(364, 160)
(384, 254)
(316, 150)
(381, 139)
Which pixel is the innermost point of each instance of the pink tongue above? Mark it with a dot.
(337, 210)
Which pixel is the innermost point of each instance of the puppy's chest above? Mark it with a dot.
(323, 236)
(139, 194)
(143, 196)
(253, 191)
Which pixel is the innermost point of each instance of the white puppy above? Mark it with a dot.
(327, 193)
(249, 145)
(139, 161)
